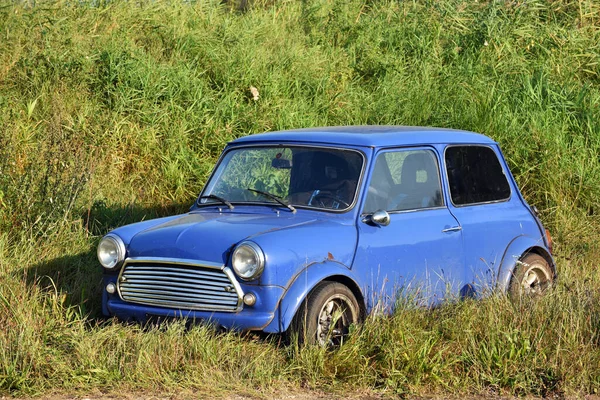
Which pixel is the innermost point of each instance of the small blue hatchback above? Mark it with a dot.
(309, 230)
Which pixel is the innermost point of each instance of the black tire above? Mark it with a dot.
(325, 316)
(532, 277)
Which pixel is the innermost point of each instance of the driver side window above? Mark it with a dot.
(404, 180)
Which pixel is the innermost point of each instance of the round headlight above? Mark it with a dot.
(248, 261)
(111, 251)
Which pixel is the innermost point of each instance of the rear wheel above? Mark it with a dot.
(326, 315)
(531, 277)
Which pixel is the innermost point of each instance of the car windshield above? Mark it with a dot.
(312, 177)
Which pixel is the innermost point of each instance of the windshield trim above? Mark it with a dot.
(355, 199)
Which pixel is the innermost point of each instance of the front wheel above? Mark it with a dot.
(326, 315)
(531, 277)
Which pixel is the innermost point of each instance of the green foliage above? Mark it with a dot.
(114, 111)
(252, 169)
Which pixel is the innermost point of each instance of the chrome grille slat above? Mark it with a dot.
(173, 271)
(133, 287)
(182, 281)
(169, 283)
(179, 285)
(176, 298)
(131, 291)
(181, 276)
(182, 285)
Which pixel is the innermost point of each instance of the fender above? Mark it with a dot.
(301, 285)
(515, 250)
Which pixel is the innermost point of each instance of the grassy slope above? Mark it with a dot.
(114, 113)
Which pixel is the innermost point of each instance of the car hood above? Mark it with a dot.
(208, 236)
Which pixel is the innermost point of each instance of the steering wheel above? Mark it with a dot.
(320, 196)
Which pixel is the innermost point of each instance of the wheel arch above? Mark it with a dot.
(304, 282)
(517, 249)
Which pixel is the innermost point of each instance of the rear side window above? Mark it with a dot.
(475, 175)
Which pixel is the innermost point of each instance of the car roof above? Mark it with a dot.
(370, 136)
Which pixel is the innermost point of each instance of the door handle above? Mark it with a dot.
(453, 229)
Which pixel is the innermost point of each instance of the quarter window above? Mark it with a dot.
(475, 175)
(404, 180)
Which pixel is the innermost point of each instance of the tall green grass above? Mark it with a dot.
(111, 112)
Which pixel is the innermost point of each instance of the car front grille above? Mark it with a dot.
(187, 285)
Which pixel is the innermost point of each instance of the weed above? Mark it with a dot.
(111, 112)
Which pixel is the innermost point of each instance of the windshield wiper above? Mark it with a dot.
(273, 197)
(215, 197)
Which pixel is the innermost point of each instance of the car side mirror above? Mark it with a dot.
(379, 218)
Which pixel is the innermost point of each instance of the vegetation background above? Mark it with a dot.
(114, 111)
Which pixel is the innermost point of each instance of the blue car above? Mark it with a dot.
(310, 230)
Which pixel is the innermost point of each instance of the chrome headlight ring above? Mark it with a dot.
(248, 261)
(111, 251)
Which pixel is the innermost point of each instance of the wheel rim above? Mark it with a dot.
(535, 280)
(335, 318)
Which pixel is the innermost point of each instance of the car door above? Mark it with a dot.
(418, 255)
(481, 199)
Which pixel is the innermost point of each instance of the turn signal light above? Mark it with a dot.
(250, 299)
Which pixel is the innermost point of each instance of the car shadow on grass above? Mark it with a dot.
(77, 278)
